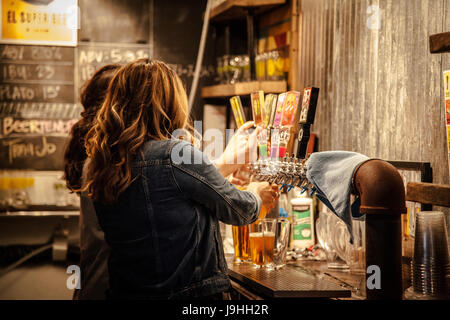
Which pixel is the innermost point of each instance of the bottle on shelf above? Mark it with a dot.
(302, 209)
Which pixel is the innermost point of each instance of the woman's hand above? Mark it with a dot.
(241, 149)
(241, 177)
(269, 193)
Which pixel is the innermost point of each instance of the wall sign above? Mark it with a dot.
(47, 22)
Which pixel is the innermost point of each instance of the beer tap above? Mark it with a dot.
(280, 175)
(291, 174)
(298, 176)
(290, 171)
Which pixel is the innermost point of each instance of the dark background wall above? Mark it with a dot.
(171, 31)
(177, 27)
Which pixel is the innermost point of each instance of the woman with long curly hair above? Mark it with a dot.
(158, 199)
(94, 251)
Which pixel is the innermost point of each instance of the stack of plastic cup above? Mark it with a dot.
(430, 266)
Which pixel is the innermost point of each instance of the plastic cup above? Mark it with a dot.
(430, 267)
(431, 241)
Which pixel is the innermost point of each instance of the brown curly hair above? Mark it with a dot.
(91, 97)
(145, 101)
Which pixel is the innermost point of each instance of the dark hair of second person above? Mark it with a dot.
(91, 98)
(94, 251)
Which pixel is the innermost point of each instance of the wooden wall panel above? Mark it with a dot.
(381, 89)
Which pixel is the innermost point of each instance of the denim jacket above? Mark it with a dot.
(164, 229)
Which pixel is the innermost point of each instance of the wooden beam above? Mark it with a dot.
(235, 9)
(243, 88)
(440, 42)
(430, 193)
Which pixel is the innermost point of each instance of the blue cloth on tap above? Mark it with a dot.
(331, 174)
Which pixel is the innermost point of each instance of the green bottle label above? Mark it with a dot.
(302, 226)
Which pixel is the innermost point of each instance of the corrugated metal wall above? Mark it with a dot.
(381, 89)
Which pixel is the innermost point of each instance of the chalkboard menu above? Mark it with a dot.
(36, 74)
(92, 56)
(40, 85)
(39, 88)
(37, 105)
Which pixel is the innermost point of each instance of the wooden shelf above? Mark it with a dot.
(243, 88)
(236, 9)
(39, 207)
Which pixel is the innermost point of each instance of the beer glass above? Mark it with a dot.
(329, 229)
(281, 242)
(262, 240)
(241, 243)
(269, 229)
(357, 250)
(241, 237)
(257, 243)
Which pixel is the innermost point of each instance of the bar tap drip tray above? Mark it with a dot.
(287, 282)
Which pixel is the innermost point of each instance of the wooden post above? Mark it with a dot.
(293, 77)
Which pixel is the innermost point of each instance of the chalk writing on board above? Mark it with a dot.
(18, 148)
(188, 70)
(32, 152)
(35, 53)
(40, 110)
(11, 126)
(36, 74)
(92, 56)
(110, 55)
(35, 92)
(10, 72)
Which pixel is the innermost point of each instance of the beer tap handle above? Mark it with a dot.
(304, 186)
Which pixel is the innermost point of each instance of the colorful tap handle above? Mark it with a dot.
(309, 104)
(238, 111)
(306, 119)
(257, 100)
